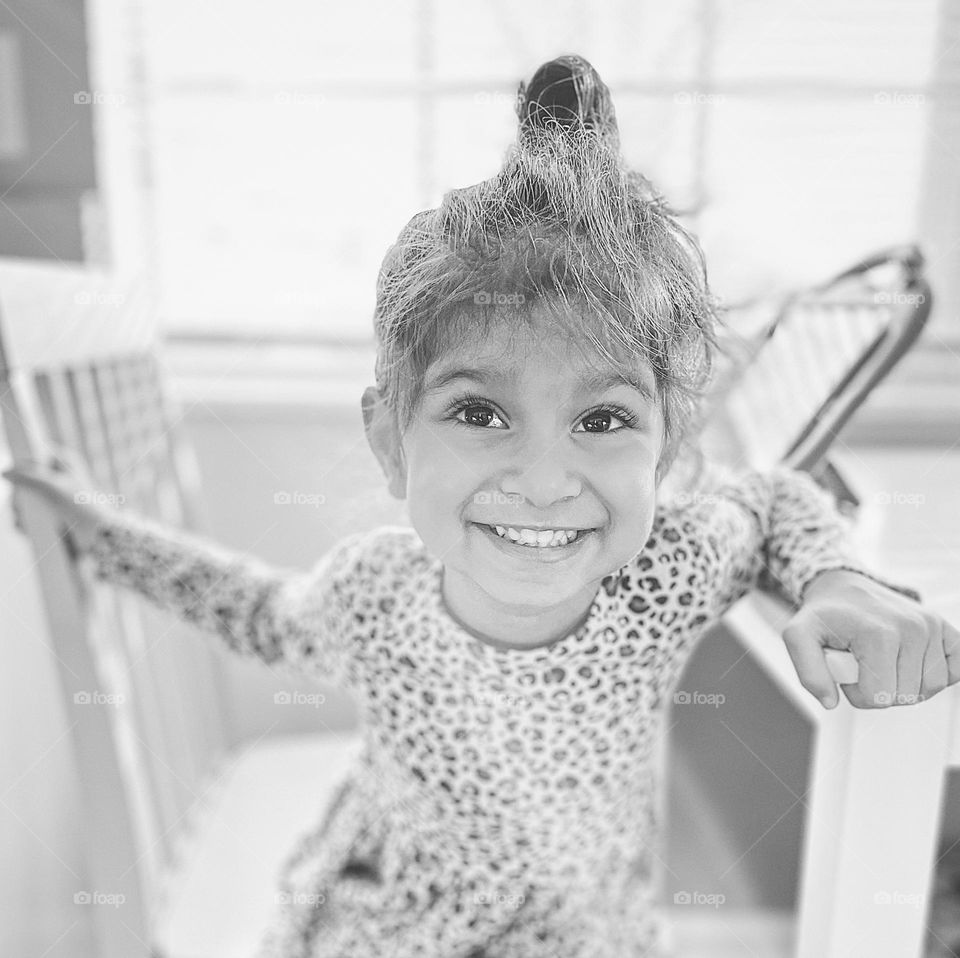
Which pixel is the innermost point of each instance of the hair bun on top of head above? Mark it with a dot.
(567, 92)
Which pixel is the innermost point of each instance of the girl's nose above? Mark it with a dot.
(544, 478)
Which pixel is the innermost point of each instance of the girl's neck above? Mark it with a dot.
(511, 627)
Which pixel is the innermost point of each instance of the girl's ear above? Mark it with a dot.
(383, 435)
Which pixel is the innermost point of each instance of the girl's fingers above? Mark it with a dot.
(935, 674)
(802, 639)
(951, 651)
(14, 474)
(59, 461)
(26, 466)
(877, 684)
(43, 482)
(30, 476)
(910, 672)
(26, 463)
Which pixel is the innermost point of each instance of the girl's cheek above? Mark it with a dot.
(443, 468)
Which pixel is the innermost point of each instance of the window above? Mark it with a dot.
(291, 140)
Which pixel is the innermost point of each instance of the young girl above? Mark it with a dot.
(543, 338)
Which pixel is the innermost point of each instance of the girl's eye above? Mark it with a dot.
(467, 407)
(480, 408)
(616, 412)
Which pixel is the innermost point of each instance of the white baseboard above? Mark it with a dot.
(699, 932)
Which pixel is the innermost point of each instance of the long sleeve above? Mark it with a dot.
(777, 528)
(294, 618)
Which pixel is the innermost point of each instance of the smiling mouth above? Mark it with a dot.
(492, 530)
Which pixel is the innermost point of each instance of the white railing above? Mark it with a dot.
(874, 805)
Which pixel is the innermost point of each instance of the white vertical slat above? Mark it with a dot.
(154, 466)
(873, 822)
(185, 735)
(196, 664)
(158, 654)
(194, 709)
(113, 642)
(132, 733)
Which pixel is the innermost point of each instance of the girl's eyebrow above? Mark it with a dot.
(587, 382)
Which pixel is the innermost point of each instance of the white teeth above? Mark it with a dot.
(530, 537)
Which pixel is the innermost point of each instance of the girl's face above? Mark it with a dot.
(511, 432)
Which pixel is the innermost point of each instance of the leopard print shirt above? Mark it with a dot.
(504, 804)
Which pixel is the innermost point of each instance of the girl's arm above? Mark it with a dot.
(774, 527)
(298, 618)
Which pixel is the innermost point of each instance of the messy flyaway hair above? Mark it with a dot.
(566, 223)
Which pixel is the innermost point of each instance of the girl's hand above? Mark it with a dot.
(66, 484)
(905, 652)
